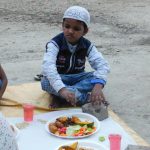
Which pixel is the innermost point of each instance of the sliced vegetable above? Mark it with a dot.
(101, 138)
(89, 124)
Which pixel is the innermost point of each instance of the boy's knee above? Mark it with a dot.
(44, 85)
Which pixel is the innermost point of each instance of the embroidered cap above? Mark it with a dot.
(78, 13)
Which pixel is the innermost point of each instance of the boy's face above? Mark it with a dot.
(73, 30)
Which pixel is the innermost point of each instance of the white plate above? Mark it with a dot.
(16, 131)
(81, 116)
(87, 144)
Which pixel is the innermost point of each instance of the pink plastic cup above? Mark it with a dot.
(28, 112)
(115, 141)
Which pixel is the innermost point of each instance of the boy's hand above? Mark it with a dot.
(69, 96)
(97, 95)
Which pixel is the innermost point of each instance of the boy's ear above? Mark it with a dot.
(86, 31)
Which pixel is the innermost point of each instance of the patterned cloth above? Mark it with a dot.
(7, 139)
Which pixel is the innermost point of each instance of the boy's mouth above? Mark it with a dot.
(69, 37)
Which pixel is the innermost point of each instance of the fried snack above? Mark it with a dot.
(59, 124)
(62, 119)
(71, 147)
(75, 119)
(66, 148)
(52, 128)
(74, 145)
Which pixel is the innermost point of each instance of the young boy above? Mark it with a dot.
(3, 82)
(64, 62)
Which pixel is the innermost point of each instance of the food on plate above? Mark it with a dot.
(69, 147)
(53, 128)
(71, 126)
(66, 148)
(85, 148)
(79, 122)
(63, 119)
(102, 138)
(74, 146)
(59, 124)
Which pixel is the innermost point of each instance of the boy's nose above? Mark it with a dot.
(71, 30)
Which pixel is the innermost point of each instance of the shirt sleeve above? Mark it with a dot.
(49, 68)
(98, 63)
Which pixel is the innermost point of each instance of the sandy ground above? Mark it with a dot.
(120, 29)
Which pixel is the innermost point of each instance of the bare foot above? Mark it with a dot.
(55, 103)
(58, 102)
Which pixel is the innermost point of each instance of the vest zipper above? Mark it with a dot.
(71, 63)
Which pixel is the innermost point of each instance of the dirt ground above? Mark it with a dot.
(119, 28)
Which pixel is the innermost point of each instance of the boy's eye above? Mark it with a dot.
(74, 28)
(77, 28)
(67, 26)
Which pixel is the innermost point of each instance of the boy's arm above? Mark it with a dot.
(4, 81)
(49, 68)
(99, 64)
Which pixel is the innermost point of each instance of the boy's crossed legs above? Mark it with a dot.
(79, 84)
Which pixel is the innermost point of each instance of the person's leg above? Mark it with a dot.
(57, 100)
(83, 83)
(72, 79)
(47, 87)
(80, 84)
(79, 81)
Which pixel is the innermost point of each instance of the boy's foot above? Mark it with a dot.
(58, 102)
(38, 77)
(55, 102)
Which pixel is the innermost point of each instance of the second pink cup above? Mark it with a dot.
(115, 141)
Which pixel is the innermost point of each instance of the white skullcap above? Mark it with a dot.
(78, 13)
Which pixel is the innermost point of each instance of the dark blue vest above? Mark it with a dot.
(67, 62)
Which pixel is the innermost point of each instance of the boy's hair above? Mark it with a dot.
(78, 13)
(85, 26)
